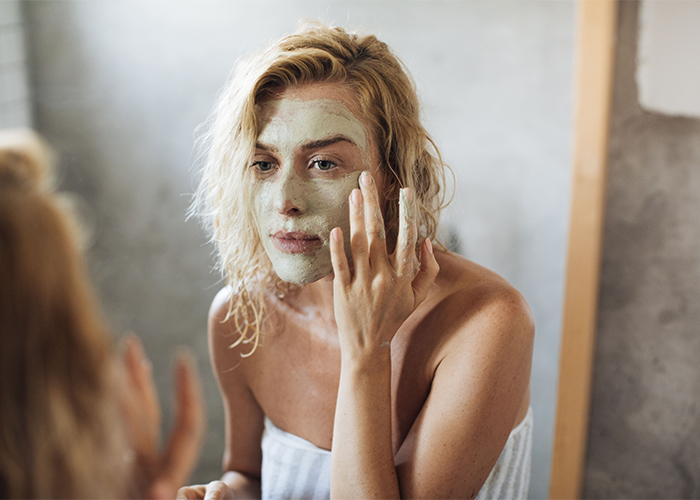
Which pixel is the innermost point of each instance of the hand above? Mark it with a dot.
(373, 299)
(160, 474)
(216, 490)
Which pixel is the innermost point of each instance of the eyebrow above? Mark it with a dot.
(265, 147)
(321, 143)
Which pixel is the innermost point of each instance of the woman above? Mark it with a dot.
(74, 423)
(369, 364)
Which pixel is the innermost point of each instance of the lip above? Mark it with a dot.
(295, 241)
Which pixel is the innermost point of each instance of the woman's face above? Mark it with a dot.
(309, 154)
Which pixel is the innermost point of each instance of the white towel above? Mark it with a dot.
(294, 468)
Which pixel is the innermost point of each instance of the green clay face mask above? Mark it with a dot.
(309, 158)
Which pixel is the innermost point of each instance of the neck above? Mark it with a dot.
(314, 302)
(320, 295)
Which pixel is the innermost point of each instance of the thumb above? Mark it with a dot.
(162, 489)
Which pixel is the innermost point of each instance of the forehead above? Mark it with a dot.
(312, 112)
(319, 91)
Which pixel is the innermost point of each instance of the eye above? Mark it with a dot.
(263, 166)
(324, 164)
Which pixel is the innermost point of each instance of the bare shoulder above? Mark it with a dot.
(243, 415)
(220, 330)
(224, 351)
(479, 331)
(480, 305)
(220, 305)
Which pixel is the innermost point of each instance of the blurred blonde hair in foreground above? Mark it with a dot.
(60, 431)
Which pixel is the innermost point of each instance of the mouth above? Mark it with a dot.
(295, 242)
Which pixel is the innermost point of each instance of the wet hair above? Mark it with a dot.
(59, 433)
(390, 108)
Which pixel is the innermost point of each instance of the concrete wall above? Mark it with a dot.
(668, 41)
(121, 86)
(15, 106)
(645, 418)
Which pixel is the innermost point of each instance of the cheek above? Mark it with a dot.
(259, 201)
(332, 198)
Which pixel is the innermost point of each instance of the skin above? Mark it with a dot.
(310, 184)
(415, 371)
(162, 471)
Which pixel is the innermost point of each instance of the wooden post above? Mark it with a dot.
(597, 23)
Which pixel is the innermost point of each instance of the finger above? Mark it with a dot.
(140, 402)
(425, 277)
(184, 442)
(162, 490)
(358, 235)
(217, 490)
(195, 492)
(374, 221)
(125, 377)
(132, 360)
(405, 253)
(140, 373)
(341, 269)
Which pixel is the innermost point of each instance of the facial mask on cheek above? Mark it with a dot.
(326, 206)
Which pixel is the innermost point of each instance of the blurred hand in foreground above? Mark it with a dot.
(159, 474)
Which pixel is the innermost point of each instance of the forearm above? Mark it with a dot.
(242, 485)
(362, 462)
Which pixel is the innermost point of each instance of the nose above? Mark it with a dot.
(290, 198)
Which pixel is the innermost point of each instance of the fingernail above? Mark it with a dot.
(184, 355)
(335, 234)
(123, 345)
(408, 193)
(429, 245)
(356, 197)
(141, 348)
(133, 345)
(366, 178)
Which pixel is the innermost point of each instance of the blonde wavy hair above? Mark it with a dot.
(390, 107)
(59, 423)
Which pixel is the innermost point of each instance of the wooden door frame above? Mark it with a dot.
(597, 27)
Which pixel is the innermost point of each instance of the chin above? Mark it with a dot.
(302, 278)
(301, 268)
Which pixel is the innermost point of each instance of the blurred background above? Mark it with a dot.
(120, 87)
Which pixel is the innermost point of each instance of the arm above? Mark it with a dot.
(475, 397)
(476, 391)
(362, 464)
(371, 303)
(243, 416)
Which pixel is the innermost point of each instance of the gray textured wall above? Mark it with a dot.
(121, 86)
(15, 106)
(645, 418)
